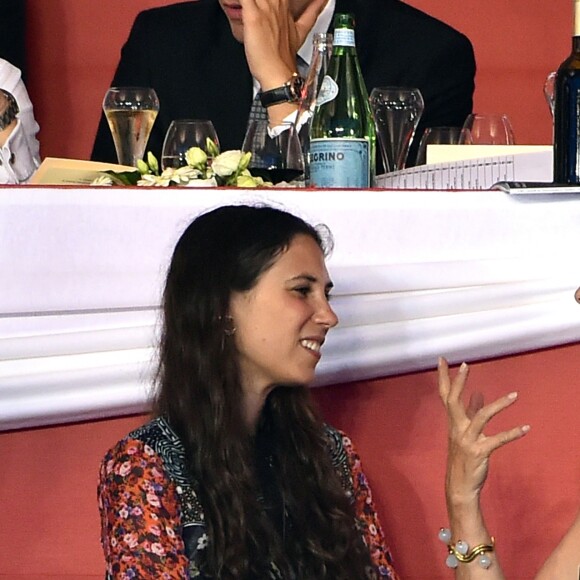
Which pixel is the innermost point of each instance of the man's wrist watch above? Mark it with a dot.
(289, 92)
(11, 111)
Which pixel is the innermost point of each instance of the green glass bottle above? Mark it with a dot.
(342, 133)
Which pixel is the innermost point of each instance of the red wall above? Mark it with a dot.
(49, 524)
(48, 519)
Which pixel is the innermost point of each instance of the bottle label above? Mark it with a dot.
(327, 92)
(339, 163)
(343, 37)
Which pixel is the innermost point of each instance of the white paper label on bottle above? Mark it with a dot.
(327, 92)
(339, 163)
(343, 37)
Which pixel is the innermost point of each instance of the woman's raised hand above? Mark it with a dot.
(469, 448)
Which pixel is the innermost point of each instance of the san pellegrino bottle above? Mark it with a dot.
(342, 132)
(567, 112)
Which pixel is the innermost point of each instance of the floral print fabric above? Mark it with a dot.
(145, 534)
(140, 515)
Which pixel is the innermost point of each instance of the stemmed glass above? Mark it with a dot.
(321, 53)
(397, 112)
(550, 90)
(131, 112)
(487, 129)
(184, 134)
(437, 136)
(276, 154)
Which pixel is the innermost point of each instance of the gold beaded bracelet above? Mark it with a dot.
(460, 552)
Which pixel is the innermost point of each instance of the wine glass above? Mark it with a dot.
(437, 136)
(184, 134)
(130, 112)
(550, 90)
(487, 129)
(276, 153)
(397, 112)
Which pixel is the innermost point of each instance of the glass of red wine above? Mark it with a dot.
(276, 152)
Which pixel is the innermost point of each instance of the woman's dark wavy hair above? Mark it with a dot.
(199, 392)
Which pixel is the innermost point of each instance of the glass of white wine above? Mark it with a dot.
(131, 112)
(184, 134)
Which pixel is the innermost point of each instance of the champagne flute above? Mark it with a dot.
(397, 112)
(184, 134)
(488, 129)
(276, 154)
(131, 112)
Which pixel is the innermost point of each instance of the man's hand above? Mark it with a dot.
(274, 30)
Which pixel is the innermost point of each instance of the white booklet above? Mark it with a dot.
(474, 167)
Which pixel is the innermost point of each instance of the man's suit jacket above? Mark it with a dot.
(187, 53)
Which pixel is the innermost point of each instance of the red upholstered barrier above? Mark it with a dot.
(49, 524)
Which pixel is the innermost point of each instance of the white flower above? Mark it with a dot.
(248, 181)
(102, 181)
(181, 175)
(196, 157)
(211, 182)
(227, 163)
(150, 180)
(202, 542)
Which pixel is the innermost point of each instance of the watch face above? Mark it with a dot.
(296, 86)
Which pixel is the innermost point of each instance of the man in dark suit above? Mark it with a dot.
(202, 59)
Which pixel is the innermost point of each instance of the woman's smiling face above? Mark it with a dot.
(281, 323)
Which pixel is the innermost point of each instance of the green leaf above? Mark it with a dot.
(124, 177)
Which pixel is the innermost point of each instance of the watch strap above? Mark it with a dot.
(289, 92)
(11, 111)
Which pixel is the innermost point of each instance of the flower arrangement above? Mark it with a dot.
(203, 169)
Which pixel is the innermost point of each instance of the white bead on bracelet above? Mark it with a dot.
(460, 552)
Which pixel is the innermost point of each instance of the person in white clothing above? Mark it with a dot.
(19, 148)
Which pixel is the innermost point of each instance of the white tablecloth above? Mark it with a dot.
(465, 274)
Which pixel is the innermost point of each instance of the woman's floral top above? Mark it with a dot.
(152, 523)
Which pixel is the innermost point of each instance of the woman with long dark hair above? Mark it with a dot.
(237, 476)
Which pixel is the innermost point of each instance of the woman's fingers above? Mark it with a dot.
(450, 390)
(493, 442)
(483, 416)
(468, 424)
(444, 379)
